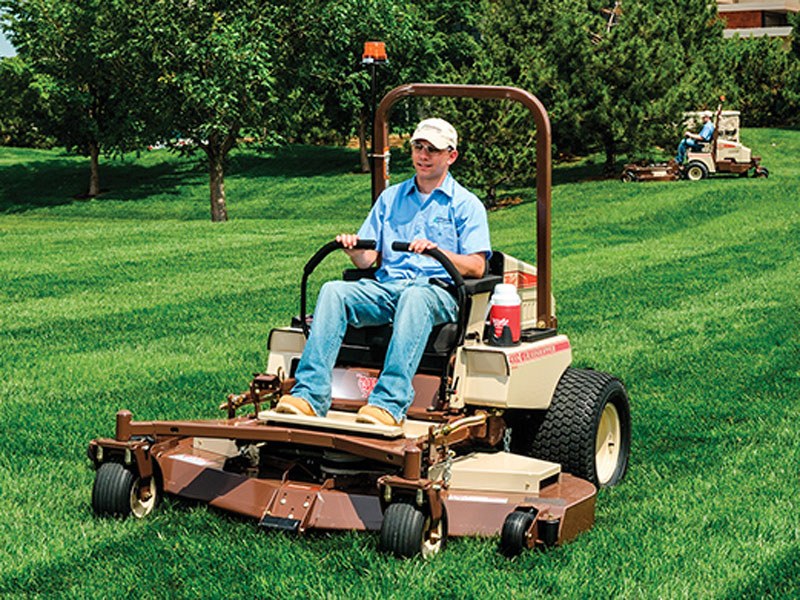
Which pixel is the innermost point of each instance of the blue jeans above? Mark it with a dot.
(686, 144)
(414, 306)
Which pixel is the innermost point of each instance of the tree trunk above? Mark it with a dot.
(94, 169)
(216, 170)
(611, 153)
(363, 124)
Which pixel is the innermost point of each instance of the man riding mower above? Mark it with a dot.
(502, 435)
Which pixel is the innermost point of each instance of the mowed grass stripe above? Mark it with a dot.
(709, 504)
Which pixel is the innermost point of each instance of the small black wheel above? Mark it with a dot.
(628, 177)
(406, 531)
(695, 171)
(587, 429)
(514, 535)
(762, 172)
(117, 492)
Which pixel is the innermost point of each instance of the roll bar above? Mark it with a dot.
(380, 170)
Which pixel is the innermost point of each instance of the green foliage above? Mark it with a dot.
(24, 109)
(75, 52)
(324, 88)
(763, 80)
(687, 291)
(212, 61)
(622, 89)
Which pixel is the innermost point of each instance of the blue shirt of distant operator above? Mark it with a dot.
(707, 132)
(451, 217)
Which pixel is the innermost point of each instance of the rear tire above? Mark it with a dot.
(587, 429)
(695, 171)
(117, 492)
(628, 177)
(762, 172)
(406, 531)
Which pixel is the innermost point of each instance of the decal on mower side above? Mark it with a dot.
(366, 383)
(195, 460)
(516, 359)
(520, 279)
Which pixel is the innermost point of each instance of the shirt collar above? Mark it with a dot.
(447, 187)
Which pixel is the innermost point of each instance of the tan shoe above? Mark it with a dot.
(294, 406)
(375, 416)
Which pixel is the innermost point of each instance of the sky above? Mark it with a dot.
(6, 49)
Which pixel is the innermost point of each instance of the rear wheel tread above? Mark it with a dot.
(112, 489)
(566, 432)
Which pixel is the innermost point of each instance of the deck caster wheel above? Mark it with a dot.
(407, 532)
(117, 492)
(761, 172)
(514, 535)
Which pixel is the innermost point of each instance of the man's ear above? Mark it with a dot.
(452, 158)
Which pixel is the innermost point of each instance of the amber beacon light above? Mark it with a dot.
(374, 52)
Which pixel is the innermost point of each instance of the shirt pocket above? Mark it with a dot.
(443, 232)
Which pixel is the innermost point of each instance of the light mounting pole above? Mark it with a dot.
(374, 55)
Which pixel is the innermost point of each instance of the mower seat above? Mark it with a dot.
(366, 346)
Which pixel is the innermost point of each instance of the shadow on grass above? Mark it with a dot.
(779, 578)
(49, 183)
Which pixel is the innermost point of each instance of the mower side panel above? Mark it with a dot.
(571, 501)
(502, 376)
(285, 344)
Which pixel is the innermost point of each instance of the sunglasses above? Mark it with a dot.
(419, 147)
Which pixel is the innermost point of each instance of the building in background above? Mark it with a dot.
(757, 17)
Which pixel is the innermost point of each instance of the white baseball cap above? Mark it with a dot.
(438, 132)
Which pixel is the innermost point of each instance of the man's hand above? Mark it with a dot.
(348, 240)
(362, 259)
(469, 265)
(419, 246)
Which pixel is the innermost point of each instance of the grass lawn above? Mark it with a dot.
(686, 291)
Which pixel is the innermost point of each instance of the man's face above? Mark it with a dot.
(430, 163)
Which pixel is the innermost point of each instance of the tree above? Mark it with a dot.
(24, 108)
(327, 90)
(620, 88)
(212, 62)
(73, 47)
(762, 81)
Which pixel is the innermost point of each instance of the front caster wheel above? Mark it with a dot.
(407, 531)
(117, 492)
(514, 536)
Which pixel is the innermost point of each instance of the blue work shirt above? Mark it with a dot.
(452, 217)
(707, 132)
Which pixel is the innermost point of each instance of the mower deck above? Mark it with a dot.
(200, 461)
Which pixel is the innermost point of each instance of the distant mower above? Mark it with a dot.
(713, 158)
